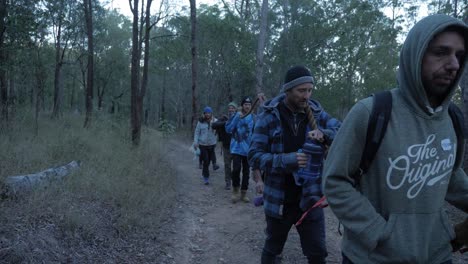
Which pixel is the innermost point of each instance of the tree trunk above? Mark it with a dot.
(144, 81)
(3, 79)
(21, 184)
(88, 9)
(3, 87)
(162, 115)
(261, 46)
(135, 77)
(11, 95)
(57, 76)
(193, 35)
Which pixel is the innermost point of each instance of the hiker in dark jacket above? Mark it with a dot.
(225, 139)
(279, 133)
(396, 213)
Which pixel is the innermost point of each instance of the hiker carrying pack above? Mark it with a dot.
(378, 121)
(392, 207)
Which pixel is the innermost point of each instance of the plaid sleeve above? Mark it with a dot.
(265, 153)
(329, 126)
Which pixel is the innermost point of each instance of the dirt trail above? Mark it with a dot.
(205, 227)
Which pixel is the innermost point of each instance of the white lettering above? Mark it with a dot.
(420, 167)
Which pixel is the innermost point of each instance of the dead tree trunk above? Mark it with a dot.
(15, 185)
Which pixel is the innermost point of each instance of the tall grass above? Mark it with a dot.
(119, 186)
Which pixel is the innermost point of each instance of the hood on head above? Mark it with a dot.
(411, 56)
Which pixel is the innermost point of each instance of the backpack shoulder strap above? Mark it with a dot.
(376, 128)
(460, 130)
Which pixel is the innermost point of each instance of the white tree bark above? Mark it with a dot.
(23, 183)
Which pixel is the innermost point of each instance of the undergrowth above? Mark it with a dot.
(118, 186)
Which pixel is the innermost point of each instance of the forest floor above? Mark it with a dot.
(201, 225)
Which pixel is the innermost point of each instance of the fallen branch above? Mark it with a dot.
(23, 183)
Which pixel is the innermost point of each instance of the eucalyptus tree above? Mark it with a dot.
(88, 12)
(141, 29)
(262, 37)
(172, 73)
(112, 46)
(64, 17)
(17, 24)
(193, 47)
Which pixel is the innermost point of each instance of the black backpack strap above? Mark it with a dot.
(376, 128)
(460, 130)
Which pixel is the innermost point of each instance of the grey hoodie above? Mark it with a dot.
(396, 215)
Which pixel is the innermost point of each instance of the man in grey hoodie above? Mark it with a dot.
(395, 214)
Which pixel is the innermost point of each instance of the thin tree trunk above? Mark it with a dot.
(89, 83)
(261, 46)
(3, 86)
(11, 94)
(57, 76)
(3, 79)
(144, 81)
(193, 35)
(135, 79)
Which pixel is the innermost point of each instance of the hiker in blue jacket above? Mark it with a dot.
(240, 127)
(395, 212)
(279, 133)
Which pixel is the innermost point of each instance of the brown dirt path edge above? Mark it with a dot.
(204, 226)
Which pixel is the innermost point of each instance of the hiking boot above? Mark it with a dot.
(235, 195)
(215, 167)
(206, 180)
(228, 186)
(243, 196)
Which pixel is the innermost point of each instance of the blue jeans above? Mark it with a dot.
(311, 233)
(347, 261)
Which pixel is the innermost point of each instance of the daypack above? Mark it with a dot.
(378, 121)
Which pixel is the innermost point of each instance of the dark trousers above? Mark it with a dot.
(227, 164)
(240, 162)
(207, 153)
(347, 261)
(311, 233)
(213, 158)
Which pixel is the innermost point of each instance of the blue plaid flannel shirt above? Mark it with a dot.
(266, 151)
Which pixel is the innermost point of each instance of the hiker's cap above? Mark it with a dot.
(232, 104)
(246, 99)
(295, 76)
(207, 110)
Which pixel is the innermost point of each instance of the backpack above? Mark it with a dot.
(378, 121)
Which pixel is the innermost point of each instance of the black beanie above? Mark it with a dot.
(246, 100)
(295, 76)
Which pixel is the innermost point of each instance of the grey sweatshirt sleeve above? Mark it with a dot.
(352, 208)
